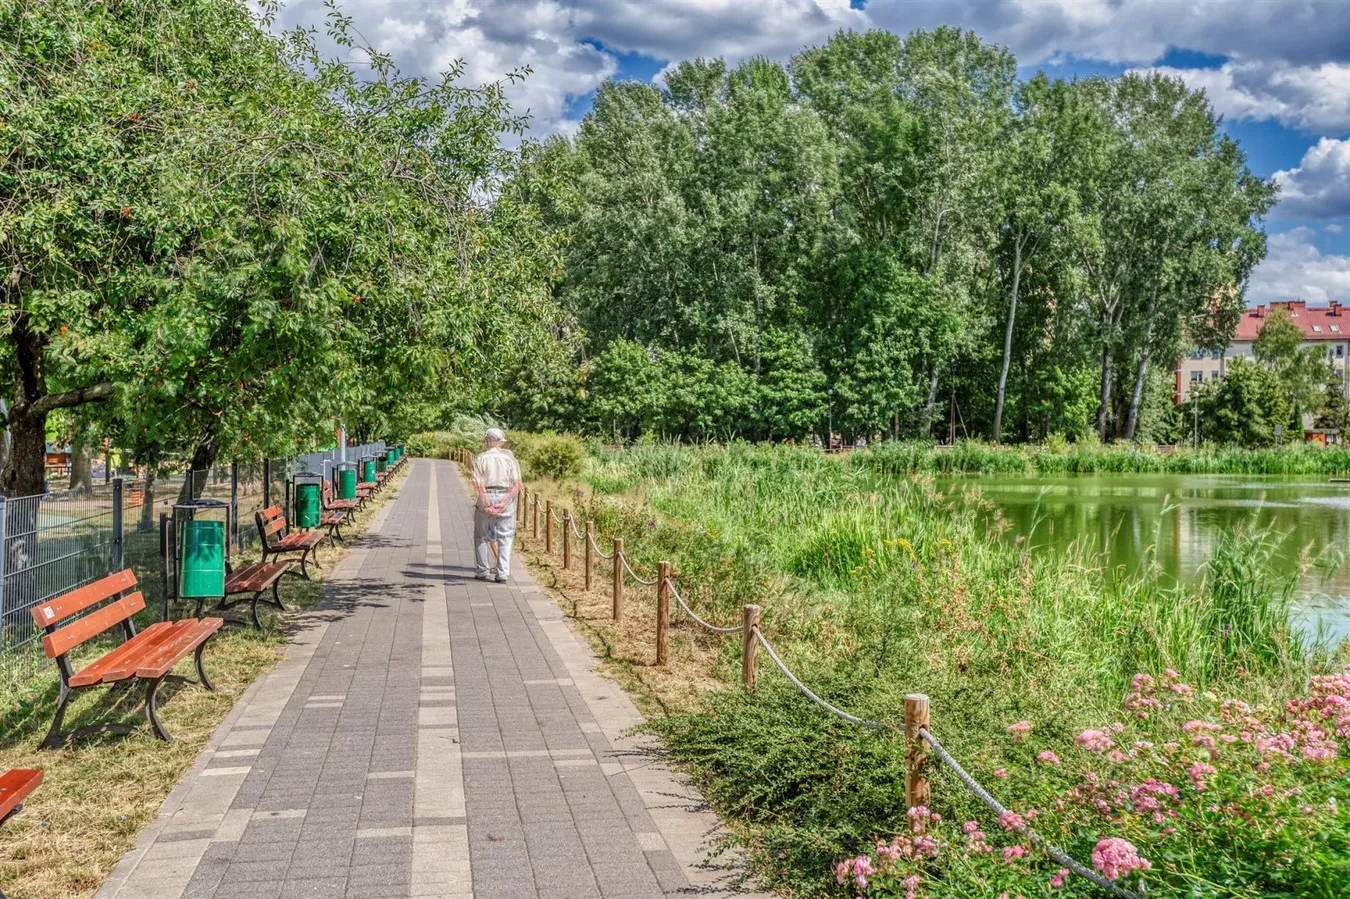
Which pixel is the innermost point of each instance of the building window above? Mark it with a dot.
(1197, 377)
(1340, 351)
(1335, 329)
(1317, 329)
(1214, 375)
(1214, 354)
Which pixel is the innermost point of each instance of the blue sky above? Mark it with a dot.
(1278, 71)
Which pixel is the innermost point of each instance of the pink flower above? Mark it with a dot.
(1000, 772)
(1011, 821)
(1199, 771)
(970, 826)
(1058, 880)
(1115, 858)
(1048, 757)
(1013, 851)
(1095, 740)
(1019, 730)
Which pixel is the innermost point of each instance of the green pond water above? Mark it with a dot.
(1176, 519)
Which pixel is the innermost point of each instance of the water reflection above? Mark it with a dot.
(1178, 518)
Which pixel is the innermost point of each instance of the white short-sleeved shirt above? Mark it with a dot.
(496, 467)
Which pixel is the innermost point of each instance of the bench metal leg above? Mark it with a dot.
(201, 669)
(55, 739)
(151, 715)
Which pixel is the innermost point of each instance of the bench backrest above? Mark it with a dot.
(270, 522)
(59, 638)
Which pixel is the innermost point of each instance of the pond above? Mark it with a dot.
(1177, 518)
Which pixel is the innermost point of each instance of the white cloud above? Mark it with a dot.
(1313, 98)
(1335, 228)
(553, 37)
(490, 37)
(1294, 269)
(1319, 187)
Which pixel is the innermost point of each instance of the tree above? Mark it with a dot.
(1244, 406)
(228, 241)
(791, 397)
(1301, 371)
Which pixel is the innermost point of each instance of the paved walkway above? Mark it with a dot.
(428, 735)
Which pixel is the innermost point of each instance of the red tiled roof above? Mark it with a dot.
(1330, 322)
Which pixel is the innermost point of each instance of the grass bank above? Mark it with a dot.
(1187, 723)
(97, 796)
(977, 457)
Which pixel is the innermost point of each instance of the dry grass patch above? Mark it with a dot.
(97, 797)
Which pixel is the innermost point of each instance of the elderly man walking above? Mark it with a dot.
(496, 474)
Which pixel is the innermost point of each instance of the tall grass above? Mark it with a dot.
(874, 586)
(976, 457)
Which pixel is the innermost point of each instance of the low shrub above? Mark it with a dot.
(556, 456)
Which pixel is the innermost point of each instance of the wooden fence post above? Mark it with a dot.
(590, 557)
(663, 613)
(548, 526)
(534, 517)
(618, 579)
(749, 646)
(567, 539)
(520, 506)
(916, 753)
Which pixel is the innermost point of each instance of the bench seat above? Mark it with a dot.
(85, 613)
(15, 786)
(276, 541)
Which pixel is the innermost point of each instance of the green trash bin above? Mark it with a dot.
(381, 464)
(347, 481)
(368, 470)
(201, 571)
(308, 501)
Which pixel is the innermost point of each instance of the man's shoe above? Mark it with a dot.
(501, 580)
(481, 577)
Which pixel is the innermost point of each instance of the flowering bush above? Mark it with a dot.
(1194, 796)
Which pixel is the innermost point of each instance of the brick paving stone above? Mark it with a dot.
(519, 787)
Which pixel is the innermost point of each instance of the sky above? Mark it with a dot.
(1278, 72)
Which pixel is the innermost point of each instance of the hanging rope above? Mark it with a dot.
(629, 568)
(670, 585)
(876, 725)
(598, 551)
(997, 808)
(572, 523)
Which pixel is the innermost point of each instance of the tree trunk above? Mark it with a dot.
(81, 465)
(1007, 342)
(1141, 373)
(146, 524)
(930, 403)
(1104, 404)
(203, 457)
(1140, 376)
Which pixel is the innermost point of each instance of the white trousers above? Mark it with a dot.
(487, 528)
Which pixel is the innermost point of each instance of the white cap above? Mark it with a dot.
(494, 435)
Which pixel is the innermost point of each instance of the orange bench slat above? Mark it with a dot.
(126, 666)
(81, 598)
(15, 786)
(161, 662)
(255, 577)
(62, 640)
(94, 672)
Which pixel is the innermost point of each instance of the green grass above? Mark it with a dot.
(875, 586)
(976, 457)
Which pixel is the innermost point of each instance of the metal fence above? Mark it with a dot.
(55, 542)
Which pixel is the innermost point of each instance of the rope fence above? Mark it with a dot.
(915, 729)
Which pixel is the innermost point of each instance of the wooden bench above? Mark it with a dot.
(276, 542)
(15, 786)
(149, 655)
(250, 582)
(336, 512)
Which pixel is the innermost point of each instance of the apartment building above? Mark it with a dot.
(1324, 326)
